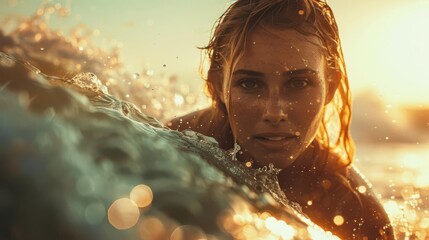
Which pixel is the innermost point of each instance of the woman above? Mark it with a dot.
(279, 87)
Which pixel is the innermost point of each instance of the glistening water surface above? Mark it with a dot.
(77, 162)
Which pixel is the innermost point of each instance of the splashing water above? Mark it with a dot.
(77, 54)
(79, 158)
(93, 148)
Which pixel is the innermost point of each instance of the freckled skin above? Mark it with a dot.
(271, 101)
(277, 101)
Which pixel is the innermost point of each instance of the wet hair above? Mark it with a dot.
(308, 17)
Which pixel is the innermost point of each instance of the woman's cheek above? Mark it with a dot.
(243, 106)
(245, 114)
(313, 124)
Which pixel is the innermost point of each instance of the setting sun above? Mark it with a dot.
(386, 48)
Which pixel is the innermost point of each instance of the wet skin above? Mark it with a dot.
(278, 91)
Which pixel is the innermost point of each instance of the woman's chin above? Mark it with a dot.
(279, 160)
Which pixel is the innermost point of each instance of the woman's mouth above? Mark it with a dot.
(274, 141)
(272, 138)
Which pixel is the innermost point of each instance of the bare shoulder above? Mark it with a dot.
(356, 177)
(194, 120)
(376, 218)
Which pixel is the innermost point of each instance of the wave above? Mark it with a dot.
(76, 162)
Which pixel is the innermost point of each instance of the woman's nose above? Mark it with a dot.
(275, 111)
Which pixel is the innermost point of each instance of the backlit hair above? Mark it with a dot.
(309, 17)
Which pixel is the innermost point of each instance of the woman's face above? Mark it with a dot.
(278, 91)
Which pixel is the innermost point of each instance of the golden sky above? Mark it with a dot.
(385, 41)
(386, 47)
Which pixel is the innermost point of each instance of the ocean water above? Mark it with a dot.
(77, 163)
(399, 174)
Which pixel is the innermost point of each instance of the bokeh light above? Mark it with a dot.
(188, 232)
(141, 195)
(402, 188)
(152, 228)
(280, 228)
(243, 223)
(123, 214)
(319, 234)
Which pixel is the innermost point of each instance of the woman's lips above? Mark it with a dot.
(273, 138)
(274, 141)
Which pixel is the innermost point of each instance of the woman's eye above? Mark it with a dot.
(249, 84)
(298, 83)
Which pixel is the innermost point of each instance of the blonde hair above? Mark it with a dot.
(309, 17)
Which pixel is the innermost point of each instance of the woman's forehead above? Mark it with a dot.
(281, 38)
(286, 47)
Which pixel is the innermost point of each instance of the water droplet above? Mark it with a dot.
(338, 220)
(178, 99)
(104, 89)
(301, 12)
(37, 37)
(125, 109)
(362, 189)
(232, 153)
(136, 76)
(150, 72)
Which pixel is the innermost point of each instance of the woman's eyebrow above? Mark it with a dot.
(300, 71)
(286, 73)
(248, 72)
